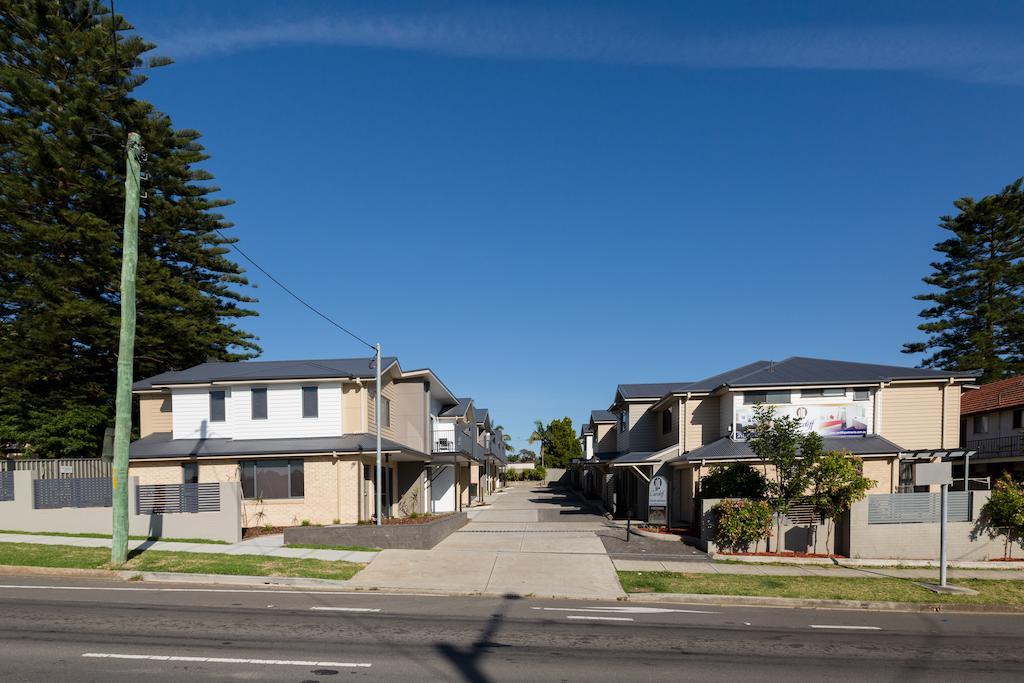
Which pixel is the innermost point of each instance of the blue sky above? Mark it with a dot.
(564, 197)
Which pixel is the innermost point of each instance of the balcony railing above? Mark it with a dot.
(448, 439)
(1000, 446)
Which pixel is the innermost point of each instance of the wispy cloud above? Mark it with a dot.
(992, 55)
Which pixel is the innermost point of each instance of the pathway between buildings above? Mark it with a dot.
(530, 540)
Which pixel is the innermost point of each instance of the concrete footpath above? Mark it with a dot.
(528, 541)
(691, 567)
(269, 546)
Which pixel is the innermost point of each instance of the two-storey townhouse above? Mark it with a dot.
(298, 435)
(641, 442)
(455, 456)
(890, 416)
(600, 447)
(992, 425)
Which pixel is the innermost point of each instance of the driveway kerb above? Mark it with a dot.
(808, 603)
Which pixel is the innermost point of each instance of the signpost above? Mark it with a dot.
(657, 501)
(941, 473)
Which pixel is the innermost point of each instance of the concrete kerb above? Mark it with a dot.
(809, 603)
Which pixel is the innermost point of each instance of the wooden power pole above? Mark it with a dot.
(126, 353)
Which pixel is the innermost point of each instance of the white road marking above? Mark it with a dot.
(577, 616)
(850, 628)
(345, 609)
(624, 610)
(283, 589)
(226, 660)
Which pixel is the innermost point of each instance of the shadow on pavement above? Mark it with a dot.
(469, 660)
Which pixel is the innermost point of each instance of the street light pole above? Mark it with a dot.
(380, 489)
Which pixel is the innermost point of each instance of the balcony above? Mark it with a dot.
(997, 447)
(448, 439)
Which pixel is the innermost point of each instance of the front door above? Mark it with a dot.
(442, 488)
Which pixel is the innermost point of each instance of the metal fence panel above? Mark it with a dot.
(63, 468)
(917, 508)
(158, 499)
(83, 492)
(6, 486)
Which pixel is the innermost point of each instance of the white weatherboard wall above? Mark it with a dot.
(191, 413)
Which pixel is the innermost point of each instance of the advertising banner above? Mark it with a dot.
(834, 419)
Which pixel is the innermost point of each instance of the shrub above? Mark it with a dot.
(540, 471)
(336, 521)
(305, 522)
(511, 475)
(413, 515)
(738, 480)
(742, 523)
(1004, 511)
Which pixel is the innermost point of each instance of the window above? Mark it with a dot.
(751, 397)
(217, 406)
(666, 421)
(190, 473)
(818, 393)
(906, 477)
(385, 411)
(861, 394)
(981, 424)
(310, 404)
(622, 421)
(1018, 418)
(259, 404)
(268, 479)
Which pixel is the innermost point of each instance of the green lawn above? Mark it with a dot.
(33, 555)
(1007, 592)
(134, 538)
(314, 546)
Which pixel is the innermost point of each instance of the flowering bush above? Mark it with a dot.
(741, 523)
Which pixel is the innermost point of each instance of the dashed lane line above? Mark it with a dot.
(225, 660)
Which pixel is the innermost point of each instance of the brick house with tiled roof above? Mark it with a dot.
(992, 423)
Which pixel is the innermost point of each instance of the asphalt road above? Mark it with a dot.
(61, 629)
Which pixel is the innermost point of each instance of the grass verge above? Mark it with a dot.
(133, 538)
(32, 555)
(314, 546)
(1005, 592)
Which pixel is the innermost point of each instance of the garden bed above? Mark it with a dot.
(784, 553)
(405, 521)
(420, 533)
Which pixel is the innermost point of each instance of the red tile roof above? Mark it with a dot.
(1006, 393)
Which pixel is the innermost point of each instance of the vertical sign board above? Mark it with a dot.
(657, 501)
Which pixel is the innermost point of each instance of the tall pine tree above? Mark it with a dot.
(977, 317)
(66, 107)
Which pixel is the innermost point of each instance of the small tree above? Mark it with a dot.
(742, 522)
(559, 443)
(777, 441)
(1004, 511)
(736, 480)
(837, 482)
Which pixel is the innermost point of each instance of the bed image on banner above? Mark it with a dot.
(838, 419)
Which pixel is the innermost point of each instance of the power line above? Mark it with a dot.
(295, 296)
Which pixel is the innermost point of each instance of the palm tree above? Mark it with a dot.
(540, 433)
(506, 439)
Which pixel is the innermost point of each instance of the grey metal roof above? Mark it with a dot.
(603, 416)
(255, 370)
(802, 370)
(161, 445)
(458, 410)
(654, 390)
(481, 415)
(725, 449)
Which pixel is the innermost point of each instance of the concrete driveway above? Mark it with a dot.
(529, 541)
